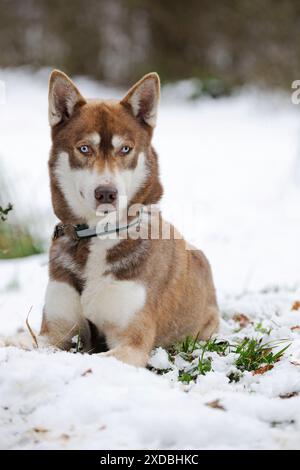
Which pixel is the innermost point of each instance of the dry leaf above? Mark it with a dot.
(296, 327)
(215, 404)
(289, 394)
(295, 363)
(40, 430)
(296, 305)
(263, 369)
(86, 372)
(242, 319)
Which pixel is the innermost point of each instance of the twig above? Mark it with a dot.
(30, 329)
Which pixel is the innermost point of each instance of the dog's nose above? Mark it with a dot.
(106, 194)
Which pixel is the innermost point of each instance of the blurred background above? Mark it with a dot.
(227, 134)
(225, 44)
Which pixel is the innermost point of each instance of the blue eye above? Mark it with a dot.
(84, 149)
(125, 150)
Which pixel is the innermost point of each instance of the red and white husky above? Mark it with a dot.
(124, 293)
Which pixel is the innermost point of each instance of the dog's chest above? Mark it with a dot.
(106, 300)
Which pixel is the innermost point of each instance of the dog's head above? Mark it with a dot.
(101, 158)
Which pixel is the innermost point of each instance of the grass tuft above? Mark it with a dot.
(251, 355)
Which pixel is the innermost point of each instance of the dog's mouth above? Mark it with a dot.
(105, 209)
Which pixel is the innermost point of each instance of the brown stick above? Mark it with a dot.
(30, 329)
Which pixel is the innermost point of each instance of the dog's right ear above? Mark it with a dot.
(64, 98)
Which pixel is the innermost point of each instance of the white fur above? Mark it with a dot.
(104, 299)
(53, 114)
(78, 185)
(94, 137)
(134, 179)
(62, 301)
(70, 181)
(68, 262)
(135, 103)
(117, 141)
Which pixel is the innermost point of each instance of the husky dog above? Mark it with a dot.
(124, 294)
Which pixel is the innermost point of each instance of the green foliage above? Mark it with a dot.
(4, 212)
(234, 376)
(190, 344)
(220, 347)
(214, 87)
(77, 344)
(16, 242)
(251, 355)
(185, 377)
(260, 329)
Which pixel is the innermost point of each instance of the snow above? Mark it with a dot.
(235, 161)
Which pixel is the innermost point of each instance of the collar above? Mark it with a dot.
(83, 231)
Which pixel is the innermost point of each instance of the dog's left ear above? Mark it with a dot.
(143, 98)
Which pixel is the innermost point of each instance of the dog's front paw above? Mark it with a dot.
(127, 355)
(22, 340)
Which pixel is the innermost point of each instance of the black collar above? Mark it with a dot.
(83, 231)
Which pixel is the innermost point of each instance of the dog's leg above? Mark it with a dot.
(211, 325)
(133, 344)
(62, 320)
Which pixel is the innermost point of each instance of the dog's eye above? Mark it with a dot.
(85, 149)
(125, 150)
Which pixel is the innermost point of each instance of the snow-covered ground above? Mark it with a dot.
(236, 161)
